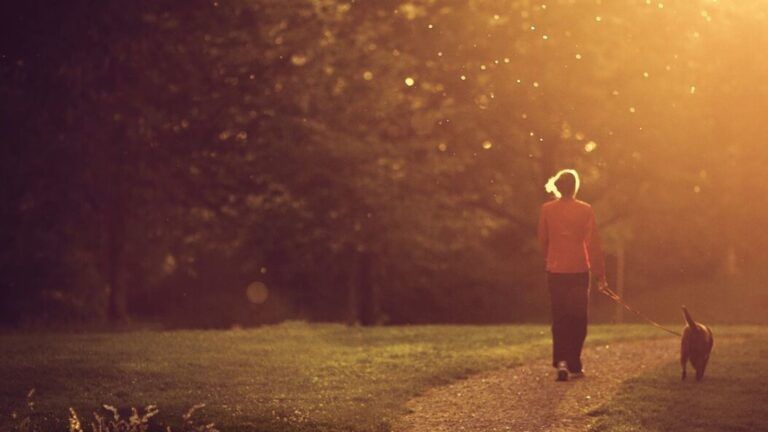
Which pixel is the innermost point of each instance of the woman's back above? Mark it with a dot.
(567, 233)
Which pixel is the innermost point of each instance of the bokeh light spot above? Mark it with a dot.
(299, 59)
(257, 292)
(482, 101)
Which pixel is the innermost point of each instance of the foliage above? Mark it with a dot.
(370, 161)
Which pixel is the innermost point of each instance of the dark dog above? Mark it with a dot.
(696, 345)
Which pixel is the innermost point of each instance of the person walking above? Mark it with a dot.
(572, 249)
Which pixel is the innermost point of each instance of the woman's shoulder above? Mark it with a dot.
(567, 205)
(584, 208)
(583, 203)
(550, 203)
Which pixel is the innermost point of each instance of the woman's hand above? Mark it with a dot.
(602, 283)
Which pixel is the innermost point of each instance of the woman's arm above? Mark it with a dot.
(595, 249)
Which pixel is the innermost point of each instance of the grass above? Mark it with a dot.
(731, 397)
(290, 377)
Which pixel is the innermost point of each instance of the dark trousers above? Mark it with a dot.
(569, 294)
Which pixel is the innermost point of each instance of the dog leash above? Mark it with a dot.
(615, 297)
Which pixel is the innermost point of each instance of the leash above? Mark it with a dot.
(615, 297)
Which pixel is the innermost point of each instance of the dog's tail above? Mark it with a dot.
(688, 319)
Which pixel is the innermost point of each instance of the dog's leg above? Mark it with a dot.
(684, 357)
(700, 371)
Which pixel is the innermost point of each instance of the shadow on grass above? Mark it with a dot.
(731, 397)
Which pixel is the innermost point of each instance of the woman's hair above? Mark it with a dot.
(564, 183)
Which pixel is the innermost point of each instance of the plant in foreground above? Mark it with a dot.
(113, 422)
(136, 422)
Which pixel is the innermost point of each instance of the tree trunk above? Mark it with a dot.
(620, 270)
(362, 294)
(114, 196)
(353, 297)
(115, 240)
(369, 302)
(114, 175)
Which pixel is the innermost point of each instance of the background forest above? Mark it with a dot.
(208, 163)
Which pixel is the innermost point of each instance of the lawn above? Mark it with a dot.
(288, 377)
(732, 396)
(295, 376)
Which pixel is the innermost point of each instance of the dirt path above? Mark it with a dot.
(527, 398)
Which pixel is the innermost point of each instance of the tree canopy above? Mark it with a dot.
(372, 161)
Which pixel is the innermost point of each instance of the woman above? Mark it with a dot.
(571, 246)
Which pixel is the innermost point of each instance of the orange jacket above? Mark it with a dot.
(569, 238)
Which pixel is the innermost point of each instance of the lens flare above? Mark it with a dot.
(257, 292)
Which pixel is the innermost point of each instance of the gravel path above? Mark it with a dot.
(527, 398)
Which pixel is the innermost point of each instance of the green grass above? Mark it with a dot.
(732, 396)
(290, 377)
